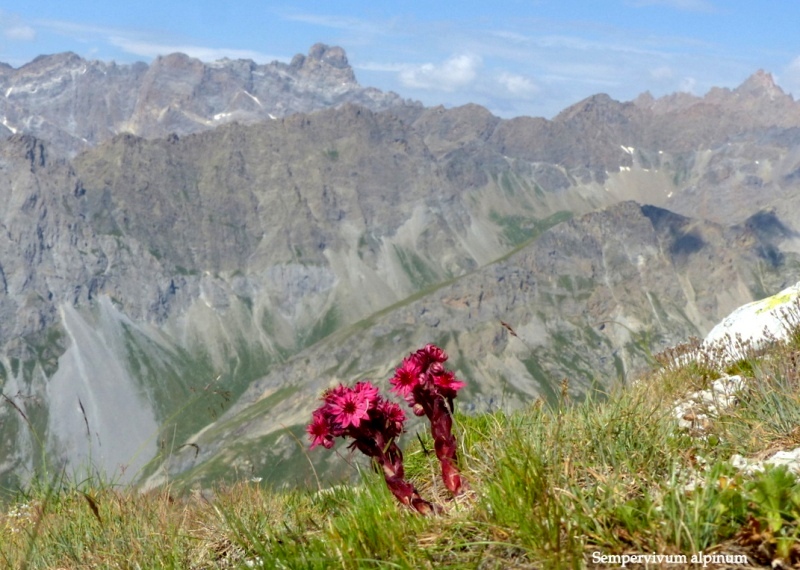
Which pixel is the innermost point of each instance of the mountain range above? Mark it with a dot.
(190, 252)
(75, 104)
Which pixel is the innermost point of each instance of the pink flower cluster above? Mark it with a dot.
(373, 423)
(357, 412)
(429, 389)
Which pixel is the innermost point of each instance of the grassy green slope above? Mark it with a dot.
(565, 484)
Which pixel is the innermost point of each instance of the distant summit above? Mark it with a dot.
(759, 89)
(75, 103)
(761, 84)
(320, 56)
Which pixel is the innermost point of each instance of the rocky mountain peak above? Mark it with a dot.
(75, 104)
(334, 56)
(760, 84)
(44, 62)
(327, 63)
(753, 96)
(597, 107)
(176, 61)
(644, 100)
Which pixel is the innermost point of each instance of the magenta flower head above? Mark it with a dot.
(393, 417)
(429, 388)
(357, 412)
(330, 393)
(368, 391)
(447, 384)
(429, 354)
(319, 430)
(349, 409)
(406, 377)
(374, 424)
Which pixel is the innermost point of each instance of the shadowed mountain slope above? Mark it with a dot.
(199, 288)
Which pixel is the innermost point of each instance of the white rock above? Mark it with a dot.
(742, 464)
(757, 323)
(694, 411)
(789, 458)
(751, 466)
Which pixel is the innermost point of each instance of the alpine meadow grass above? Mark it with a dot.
(569, 484)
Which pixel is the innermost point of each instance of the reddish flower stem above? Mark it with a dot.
(444, 441)
(391, 461)
(429, 389)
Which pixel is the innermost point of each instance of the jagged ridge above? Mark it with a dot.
(273, 258)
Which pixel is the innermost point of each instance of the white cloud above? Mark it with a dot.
(688, 85)
(453, 73)
(686, 5)
(383, 67)
(14, 29)
(20, 32)
(149, 45)
(517, 85)
(339, 23)
(145, 48)
(662, 72)
(507, 35)
(791, 77)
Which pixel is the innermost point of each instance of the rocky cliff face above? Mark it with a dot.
(173, 302)
(75, 104)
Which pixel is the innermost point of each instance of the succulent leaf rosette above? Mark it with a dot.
(429, 389)
(374, 423)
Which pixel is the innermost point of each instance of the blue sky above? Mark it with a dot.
(531, 57)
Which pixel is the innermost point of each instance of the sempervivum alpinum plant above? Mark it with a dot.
(374, 423)
(429, 389)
